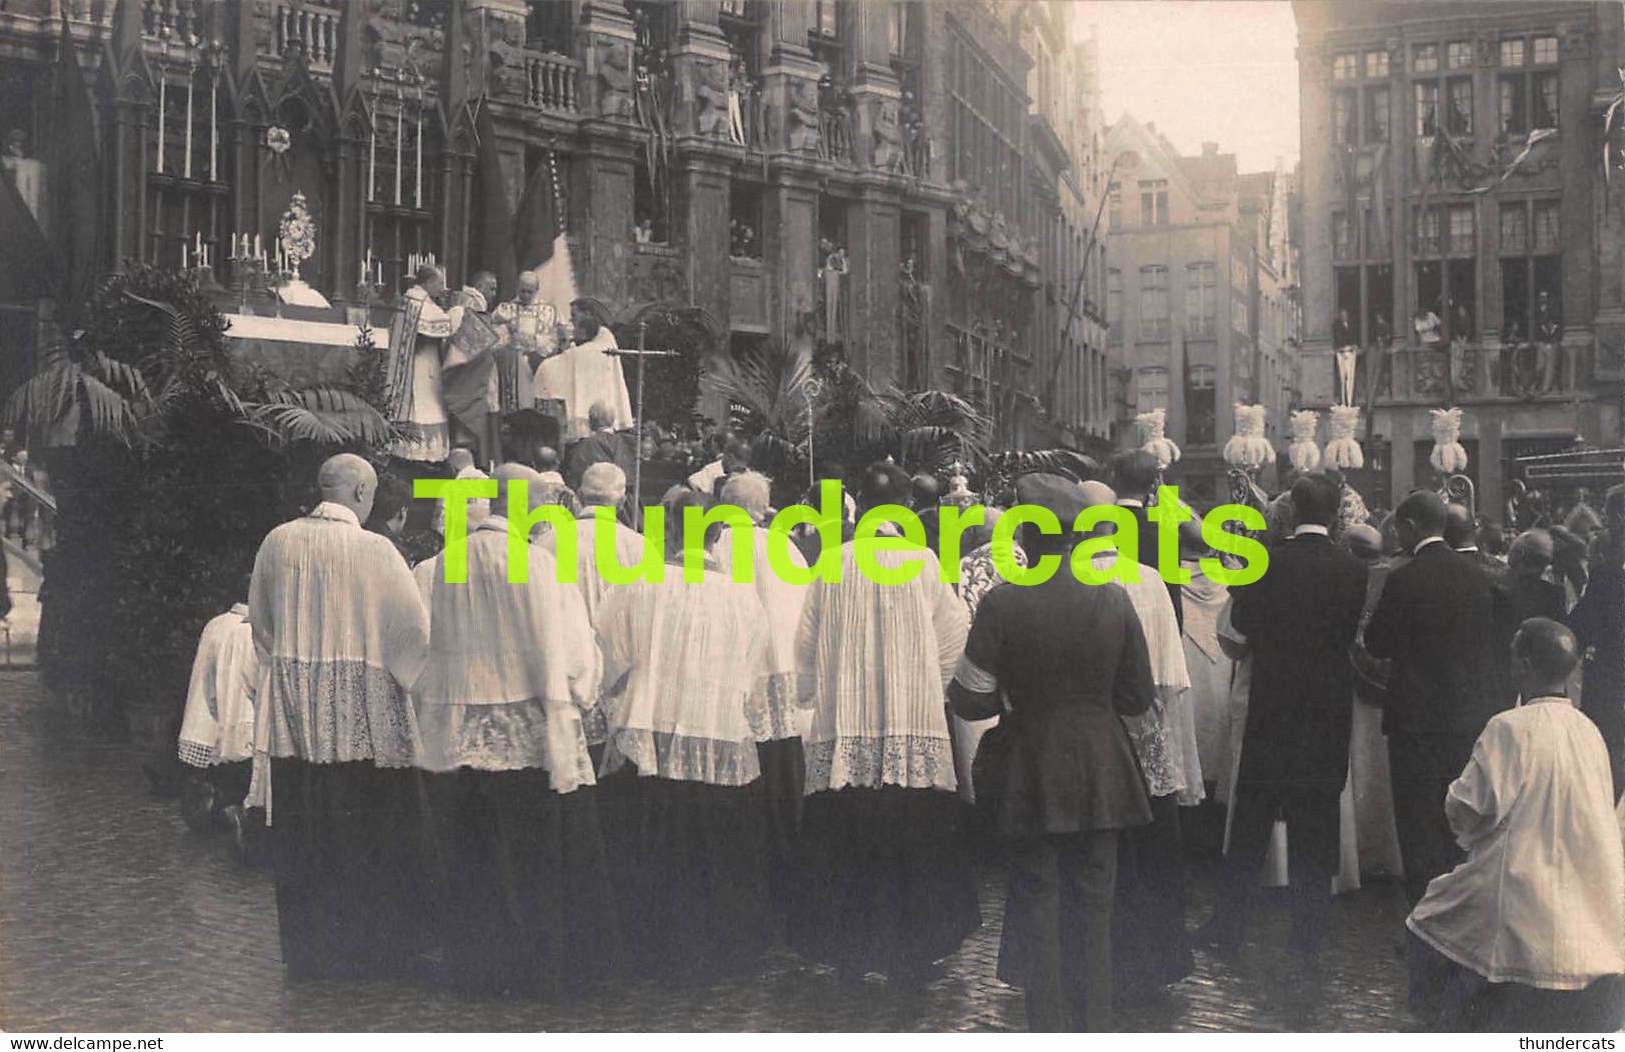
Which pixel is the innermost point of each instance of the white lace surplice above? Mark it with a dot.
(511, 667)
(783, 601)
(339, 628)
(694, 657)
(1164, 738)
(874, 661)
(218, 726)
(629, 549)
(582, 375)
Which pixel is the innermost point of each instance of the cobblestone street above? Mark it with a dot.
(114, 917)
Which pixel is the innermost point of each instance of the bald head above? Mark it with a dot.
(1544, 653)
(1096, 494)
(1531, 553)
(750, 490)
(602, 484)
(348, 480)
(510, 473)
(459, 459)
(529, 285)
(1363, 540)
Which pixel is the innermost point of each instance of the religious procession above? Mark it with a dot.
(635, 516)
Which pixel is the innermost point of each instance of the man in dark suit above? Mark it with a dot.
(1135, 472)
(1598, 622)
(1434, 621)
(602, 446)
(1516, 596)
(1071, 659)
(1300, 620)
(1461, 534)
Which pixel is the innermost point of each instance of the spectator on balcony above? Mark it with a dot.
(1548, 336)
(1346, 352)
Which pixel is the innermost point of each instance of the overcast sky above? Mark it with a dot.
(1216, 70)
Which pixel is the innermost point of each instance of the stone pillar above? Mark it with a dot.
(602, 180)
(790, 246)
(790, 81)
(700, 66)
(703, 224)
(873, 244)
(1489, 494)
(1314, 80)
(1402, 453)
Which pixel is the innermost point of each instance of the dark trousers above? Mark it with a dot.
(1421, 768)
(1058, 930)
(1311, 816)
(1151, 945)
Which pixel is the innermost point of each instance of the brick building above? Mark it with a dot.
(1202, 309)
(715, 153)
(1418, 196)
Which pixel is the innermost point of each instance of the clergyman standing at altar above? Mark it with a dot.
(417, 340)
(585, 374)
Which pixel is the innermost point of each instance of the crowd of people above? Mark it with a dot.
(511, 783)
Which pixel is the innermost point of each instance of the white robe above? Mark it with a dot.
(1164, 738)
(873, 662)
(511, 666)
(694, 658)
(427, 411)
(218, 726)
(581, 376)
(783, 601)
(340, 633)
(1540, 899)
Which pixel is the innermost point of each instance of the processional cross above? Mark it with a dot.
(642, 353)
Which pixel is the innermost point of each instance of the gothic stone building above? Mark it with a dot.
(901, 179)
(1418, 195)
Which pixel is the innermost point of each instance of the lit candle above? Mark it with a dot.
(417, 192)
(400, 112)
(214, 135)
(258, 250)
(186, 162)
(163, 94)
(197, 241)
(183, 255)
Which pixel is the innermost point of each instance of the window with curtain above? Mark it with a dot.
(1154, 303)
(1512, 52)
(1425, 58)
(1546, 227)
(1459, 55)
(1463, 230)
(1376, 115)
(1461, 105)
(1514, 228)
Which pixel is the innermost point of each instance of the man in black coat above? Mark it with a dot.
(602, 446)
(1300, 620)
(1070, 659)
(1434, 621)
(1135, 472)
(1461, 534)
(1598, 622)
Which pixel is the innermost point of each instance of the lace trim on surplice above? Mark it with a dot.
(909, 760)
(338, 712)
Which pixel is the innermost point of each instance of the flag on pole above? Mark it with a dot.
(494, 225)
(539, 241)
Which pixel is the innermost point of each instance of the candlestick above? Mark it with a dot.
(417, 191)
(400, 112)
(214, 136)
(183, 255)
(163, 94)
(258, 251)
(197, 242)
(186, 163)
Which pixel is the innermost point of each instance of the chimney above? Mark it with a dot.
(1210, 149)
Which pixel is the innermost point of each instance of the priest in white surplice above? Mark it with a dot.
(584, 374)
(512, 666)
(217, 730)
(888, 884)
(341, 633)
(416, 355)
(778, 745)
(1528, 934)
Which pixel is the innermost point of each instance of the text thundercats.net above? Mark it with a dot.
(885, 527)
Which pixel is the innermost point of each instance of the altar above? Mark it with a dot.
(307, 348)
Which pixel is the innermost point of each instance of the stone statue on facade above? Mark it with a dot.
(801, 117)
(711, 102)
(888, 145)
(614, 79)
